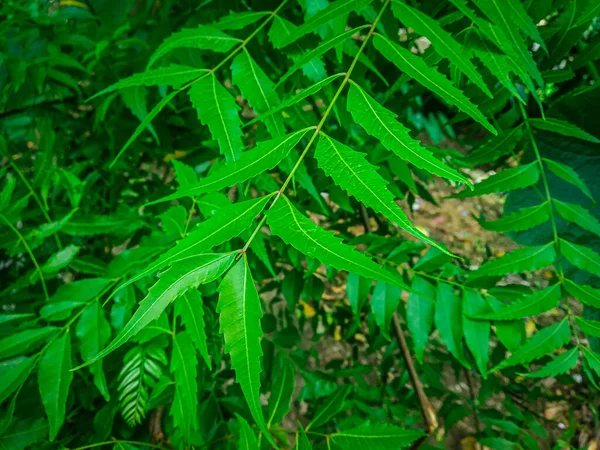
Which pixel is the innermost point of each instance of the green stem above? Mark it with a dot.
(31, 255)
(552, 219)
(187, 222)
(322, 121)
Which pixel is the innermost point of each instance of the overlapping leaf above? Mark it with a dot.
(578, 215)
(448, 321)
(420, 313)
(569, 175)
(185, 403)
(530, 305)
(308, 238)
(507, 180)
(559, 365)
(498, 146)
(583, 257)
(191, 310)
(518, 261)
(523, 219)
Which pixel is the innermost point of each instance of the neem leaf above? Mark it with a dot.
(559, 365)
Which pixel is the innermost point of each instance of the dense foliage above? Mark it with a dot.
(207, 235)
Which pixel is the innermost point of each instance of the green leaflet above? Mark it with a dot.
(381, 123)
(352, 172)
(302, 442)
(258, 89)
(303, 234)
(143, 124)
(518, 261)
(564, 128)
(324, 46)
(448, 321)
(511, 40)
(5, 318)
(218, 110)
(384, 303)
(477, 333)
(191, 310)
(585, 294)
(202, 38)
(375, 436)
(442, 41)
(592, 358)
(334, 405)
(263, 157)
(559, 365)
(13, 373)
(183, 367)
(93, 331)
(54, 380)
(357, 290)
(238, 20)
(590, 327)
(508, 180)
(498, 146)
(582, 257)
(135, 98)
(569, 175)
(24, 341)
(332, 11)
(226, 225)
(184, 274)
(524, 219)
(520, 19)
(578, 215)
(174, 75)
(58, 311)
(282, 391)
(239, 319)
(419, 314)
(429, 77)
(247, 437)
(530, 305)
(586, 11)
(296, 98)
(540, 344)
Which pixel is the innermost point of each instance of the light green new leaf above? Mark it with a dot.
(191, 310)
(563, 127)
(247, 437)
(174, 75)
(530, 305)
(324, 46)
(238, 20)
(419, 314)
(384, 303)
(222, 227)
(448, 321)
(510, 39)
(263, 157)
(592, 358)
(381, 123)
(518, 261)
(429, 77)
(24, 341)
(218, 110)
(144, 123)
(282, 391)
(54, 380)
(585, 294)
(507, 180)
(303, 234)
(202, 38)
(559, 365)
(569, 175)
(258, 89)
(184, 368)
(240, 312)
(334, 404)
(13, 373)
(377, 436)
(184, 274)
(498, 146)
(540, 344)
(477, 332)
(590, 327)
(523, 219)
(334, 10)
(296, 98)
(352, 172)
(578, 215)
(583, 257)
(442, 41)
(93, 331)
